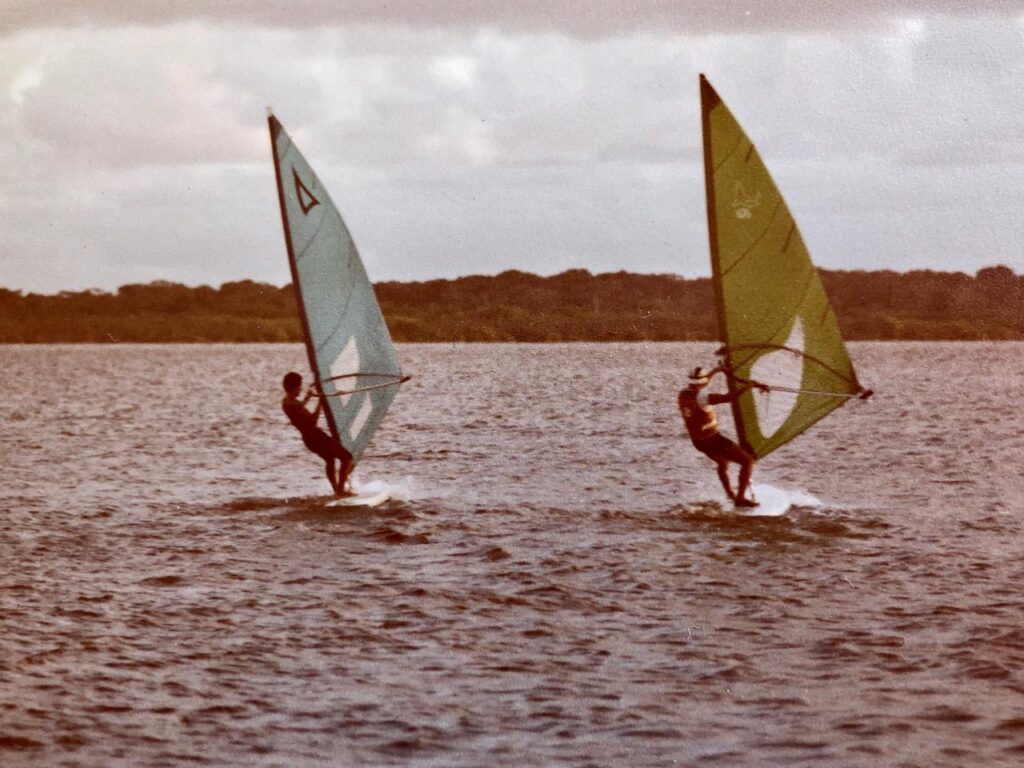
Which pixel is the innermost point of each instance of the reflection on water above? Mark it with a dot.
(557, 580)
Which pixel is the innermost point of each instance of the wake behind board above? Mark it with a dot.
(368, 498)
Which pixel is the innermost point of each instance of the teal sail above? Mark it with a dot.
(349, 347)
(775, 320)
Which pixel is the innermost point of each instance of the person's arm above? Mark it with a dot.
(319, 405)
(723, 368)
(735, 394)
(310, 392)
(716, 399)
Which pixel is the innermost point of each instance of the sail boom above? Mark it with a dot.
(817, 392)
(344, 392)
(367, 375)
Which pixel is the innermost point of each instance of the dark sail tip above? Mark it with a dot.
(708, 96)
(275, 125)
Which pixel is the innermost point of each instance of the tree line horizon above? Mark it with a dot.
(575, 305)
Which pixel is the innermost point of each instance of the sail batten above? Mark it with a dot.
(775, 320)
(343, 328)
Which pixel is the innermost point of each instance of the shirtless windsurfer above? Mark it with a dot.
(314, 438)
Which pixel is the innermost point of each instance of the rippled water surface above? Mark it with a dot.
(555, 583)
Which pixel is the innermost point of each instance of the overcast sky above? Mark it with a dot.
(468, 137)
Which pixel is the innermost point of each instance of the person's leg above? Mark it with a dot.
(344, 471)
(320, 443)
(345, 460)
(731, 452)
(746, 462)
(746, 470)
(723, 476)
(331, 476)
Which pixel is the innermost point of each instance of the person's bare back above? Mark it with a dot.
(315, 439)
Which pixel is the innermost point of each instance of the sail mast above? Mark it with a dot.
(708, 100)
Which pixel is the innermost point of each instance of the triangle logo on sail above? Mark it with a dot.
(307, 200)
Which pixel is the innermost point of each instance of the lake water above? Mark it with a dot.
(556, 582)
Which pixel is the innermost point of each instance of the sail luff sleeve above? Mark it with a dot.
(708, 100)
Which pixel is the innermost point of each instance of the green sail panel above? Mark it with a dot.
(350, 349)
(775, 319)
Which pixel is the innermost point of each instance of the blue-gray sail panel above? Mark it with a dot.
(346, 332)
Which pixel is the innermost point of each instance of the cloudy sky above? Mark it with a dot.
(464, 136)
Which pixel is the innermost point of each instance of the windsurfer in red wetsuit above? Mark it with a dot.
(702, 425)
(314, 438)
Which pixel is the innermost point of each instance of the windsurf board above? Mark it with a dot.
(366, 499)
(771, 502)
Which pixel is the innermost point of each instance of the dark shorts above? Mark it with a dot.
(716, 447)
(325, 446)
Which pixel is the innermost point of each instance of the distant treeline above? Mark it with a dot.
(515, 306)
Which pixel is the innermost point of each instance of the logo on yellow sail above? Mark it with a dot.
(743, 202)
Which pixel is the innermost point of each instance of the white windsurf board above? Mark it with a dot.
(368, 498)
(771, 502)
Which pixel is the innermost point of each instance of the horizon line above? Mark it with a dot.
(165, 282)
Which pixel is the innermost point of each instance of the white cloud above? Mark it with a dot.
(593, 18)
(140, 152)
(25, 80)
(458, 72)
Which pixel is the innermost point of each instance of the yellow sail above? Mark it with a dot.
(775, 320)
